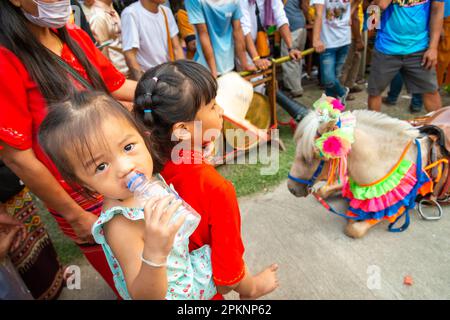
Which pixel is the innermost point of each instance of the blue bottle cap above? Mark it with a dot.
(134, 176)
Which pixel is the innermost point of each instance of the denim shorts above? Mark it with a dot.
(384, 67)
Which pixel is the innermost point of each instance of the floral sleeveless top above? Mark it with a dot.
(189, 273)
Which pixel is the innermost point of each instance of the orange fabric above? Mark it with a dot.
(186, 29)
(434, 164)
(214, 198)
(375, 221)
(390, 219)
(427, 188)
(262, 44)
(443, 65)
(169, 40)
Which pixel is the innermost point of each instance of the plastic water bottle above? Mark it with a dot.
(11, 284)
(144, 189)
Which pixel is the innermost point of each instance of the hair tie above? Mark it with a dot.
(148, 110)
(147, 94)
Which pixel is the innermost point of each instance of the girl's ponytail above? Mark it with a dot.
(169, 93)
(144, 105)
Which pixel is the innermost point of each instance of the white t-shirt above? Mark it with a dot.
(336, 30)
(146, 31)
(249, 21)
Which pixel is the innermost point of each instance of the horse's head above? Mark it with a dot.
(307, 165)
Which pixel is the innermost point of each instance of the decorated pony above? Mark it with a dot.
(375, 161)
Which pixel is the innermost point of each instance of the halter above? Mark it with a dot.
(309, 183)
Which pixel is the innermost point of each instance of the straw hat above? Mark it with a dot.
(234, 95)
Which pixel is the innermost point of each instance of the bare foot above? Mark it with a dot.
(357, 229)
(265, 282)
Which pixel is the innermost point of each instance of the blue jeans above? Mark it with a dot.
(396, 87)
(331, 63)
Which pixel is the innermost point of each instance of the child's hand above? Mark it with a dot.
(159, 235)
(265, 282)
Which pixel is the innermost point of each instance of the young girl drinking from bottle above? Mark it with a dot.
(176, 102)
(97, 144)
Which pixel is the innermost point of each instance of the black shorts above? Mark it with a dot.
(384, 67)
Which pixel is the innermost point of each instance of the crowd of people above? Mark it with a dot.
(93, 90)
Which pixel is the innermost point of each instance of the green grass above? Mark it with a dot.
(247, 179)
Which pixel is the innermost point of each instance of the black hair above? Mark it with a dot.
(50, 76)
(177, 5)
(170, 93)
(71, 127)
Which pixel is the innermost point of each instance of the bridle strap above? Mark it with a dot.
(313, 179)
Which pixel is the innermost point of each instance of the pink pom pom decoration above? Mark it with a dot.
(337, 105)
(335, 147)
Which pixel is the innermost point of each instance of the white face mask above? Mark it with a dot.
(51, 15)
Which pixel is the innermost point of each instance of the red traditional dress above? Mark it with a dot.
(23, 108)
(214, 198)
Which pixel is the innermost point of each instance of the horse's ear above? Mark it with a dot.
(326, 127)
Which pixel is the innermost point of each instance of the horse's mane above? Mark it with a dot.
(306, 130)
(383, 122)
(376, 122)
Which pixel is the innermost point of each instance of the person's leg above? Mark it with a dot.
(316, 62)
(432, 101)
(301, 46)
(374, 103)
(356, 57)
(292, 69)
(419, 80)
(395, 88)
(416, 103)
(328, 71)
(348, 65)
(341, 56)
(383, 69)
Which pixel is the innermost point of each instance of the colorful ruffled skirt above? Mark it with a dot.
(388, 198)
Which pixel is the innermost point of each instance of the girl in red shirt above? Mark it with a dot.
(36, 46)
(176, 101)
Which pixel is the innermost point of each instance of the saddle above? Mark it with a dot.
(436, 126)
(436, 123)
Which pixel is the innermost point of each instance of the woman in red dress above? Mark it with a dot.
(42, 60)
